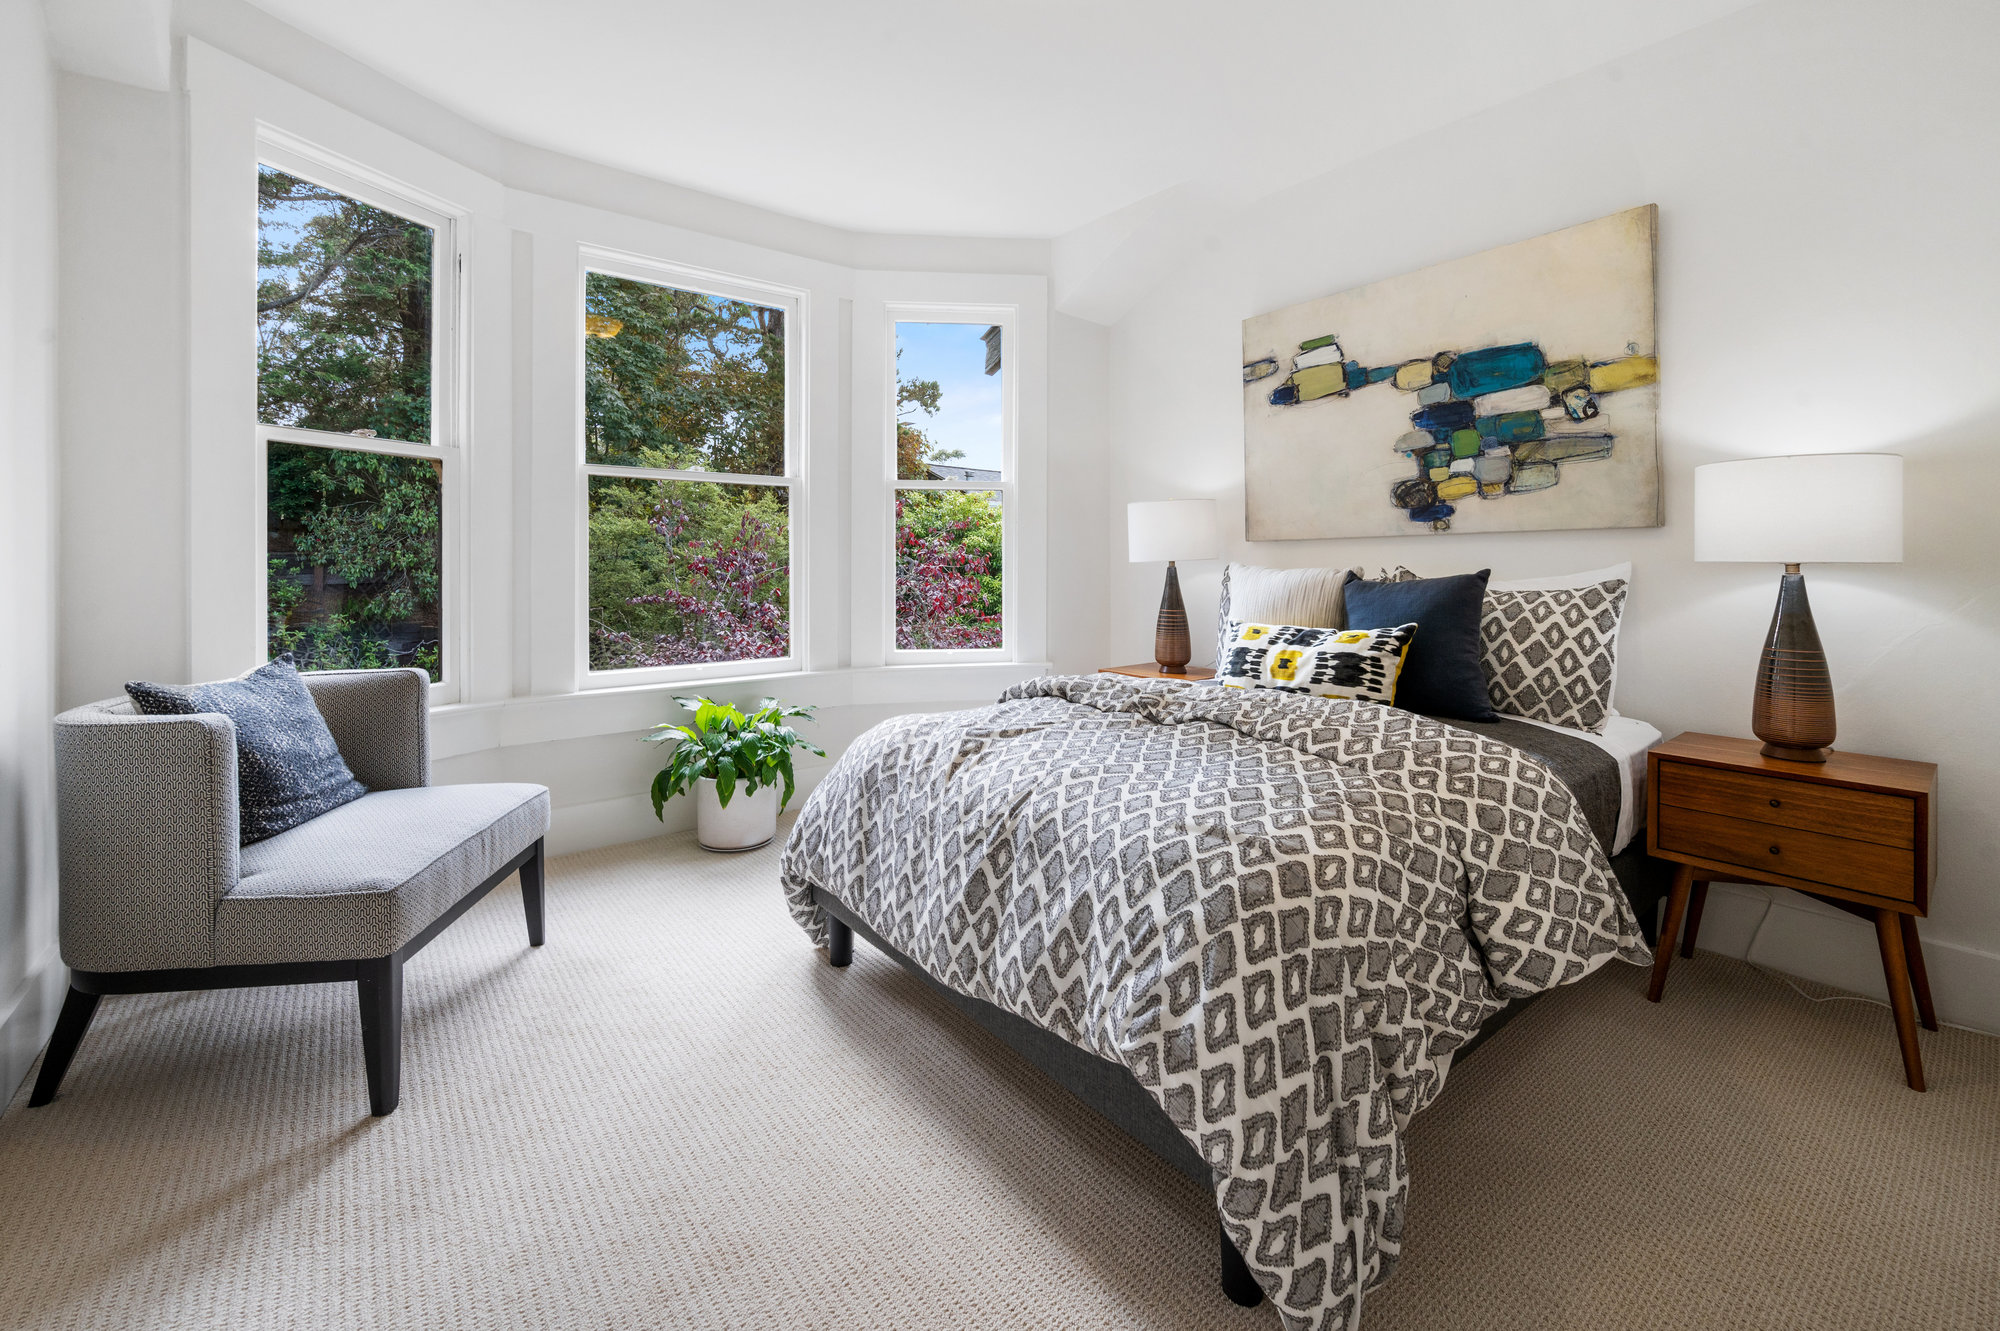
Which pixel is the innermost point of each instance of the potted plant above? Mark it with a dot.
(735, 765)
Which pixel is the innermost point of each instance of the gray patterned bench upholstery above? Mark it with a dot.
(156, 895)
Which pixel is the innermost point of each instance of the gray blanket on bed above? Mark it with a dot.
(1282, 914)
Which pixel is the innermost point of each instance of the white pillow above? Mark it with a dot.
(1562, 581)
(1306, 597)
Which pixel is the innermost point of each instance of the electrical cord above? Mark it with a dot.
(1750, 950)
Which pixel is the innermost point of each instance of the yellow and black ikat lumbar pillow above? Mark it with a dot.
(1327, 663)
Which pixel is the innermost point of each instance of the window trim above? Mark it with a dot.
(1008, 317)
(796, 303)
(450, 382)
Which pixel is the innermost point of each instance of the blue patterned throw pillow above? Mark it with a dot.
(288, 769)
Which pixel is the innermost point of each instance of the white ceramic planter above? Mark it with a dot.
(750, 821)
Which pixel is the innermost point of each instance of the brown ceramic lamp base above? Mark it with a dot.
(1172, 648)
(1793, 711)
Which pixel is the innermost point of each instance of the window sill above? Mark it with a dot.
(461, 728)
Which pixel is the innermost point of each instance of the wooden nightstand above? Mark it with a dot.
(1151, 670)
(1857, 832)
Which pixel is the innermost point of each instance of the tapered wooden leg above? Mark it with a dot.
(380, 988)
(1920, 980)
(1696, 900)
(531, 894)
(74, 1019)
(1896, 970)
(1237, 1282)
(839, 942)
(1677, 906)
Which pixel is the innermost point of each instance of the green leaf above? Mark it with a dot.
(661, 789)
(725, 784)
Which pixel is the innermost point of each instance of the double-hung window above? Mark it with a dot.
(691, 455)
(953, 487)
(357, 413)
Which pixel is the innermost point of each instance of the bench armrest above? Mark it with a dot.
(381, 720)
(147, 835)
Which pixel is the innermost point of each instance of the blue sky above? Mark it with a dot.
(968, 416)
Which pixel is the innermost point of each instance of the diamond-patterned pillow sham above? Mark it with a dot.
(1551, 654)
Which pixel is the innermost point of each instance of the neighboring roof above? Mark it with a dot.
(991, 337)
(942, 472)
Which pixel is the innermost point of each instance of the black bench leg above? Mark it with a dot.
(380, 987)
(839, 942)
(77, 1010)
(1237, 1282)
(531, 894)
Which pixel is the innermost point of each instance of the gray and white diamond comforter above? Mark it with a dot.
(1281, 913)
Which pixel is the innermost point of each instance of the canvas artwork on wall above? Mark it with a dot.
(1514, 390)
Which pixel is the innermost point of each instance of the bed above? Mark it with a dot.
(1252, 929)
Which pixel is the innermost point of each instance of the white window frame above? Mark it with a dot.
(1007, 317)
(795, 301)
(449, 379)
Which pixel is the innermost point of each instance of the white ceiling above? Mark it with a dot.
(1002, 118)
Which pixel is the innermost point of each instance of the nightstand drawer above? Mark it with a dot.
(1860, 866)
(1857, 815)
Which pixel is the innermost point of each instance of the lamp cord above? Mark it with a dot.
(1788, 981)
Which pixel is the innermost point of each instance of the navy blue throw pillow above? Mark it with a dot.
(288, 769)
(1442, 676)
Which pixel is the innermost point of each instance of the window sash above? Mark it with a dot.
(1007, 318)
(299, 157)
(639, 268)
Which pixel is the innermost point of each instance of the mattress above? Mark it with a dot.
(1625, 741)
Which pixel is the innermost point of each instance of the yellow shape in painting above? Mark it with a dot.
(1457, 487)
(1417, 374)
(1631, 372)
(1439, 473)
(1285, 665)
(1319, 381)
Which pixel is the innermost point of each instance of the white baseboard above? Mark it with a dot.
(1814, 941)
(612, 822)
(29, 1017)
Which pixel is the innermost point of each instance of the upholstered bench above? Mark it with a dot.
(157, 895)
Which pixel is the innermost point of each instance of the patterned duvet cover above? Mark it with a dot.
(1283, 914)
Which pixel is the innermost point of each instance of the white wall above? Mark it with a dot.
(30, 979)
(1827, 281)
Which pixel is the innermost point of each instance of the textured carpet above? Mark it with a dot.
(676, 1114)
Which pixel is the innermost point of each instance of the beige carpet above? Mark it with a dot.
(676, 1114)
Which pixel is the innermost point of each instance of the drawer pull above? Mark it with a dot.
(1774, 850)
(1774, 804)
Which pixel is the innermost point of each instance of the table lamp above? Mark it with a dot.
(1827, 507)
(1171, 529)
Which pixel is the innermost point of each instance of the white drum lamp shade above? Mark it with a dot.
(1171, 529)
(1816, 508)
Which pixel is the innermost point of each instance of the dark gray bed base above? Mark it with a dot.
(1112, 1091)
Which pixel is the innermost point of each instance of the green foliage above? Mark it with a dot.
(643, 536)
(937, 515)
(343, 313)
(682, 380)
(731, 748)
(366, 527)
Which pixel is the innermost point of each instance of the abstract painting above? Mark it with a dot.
(1514, 390)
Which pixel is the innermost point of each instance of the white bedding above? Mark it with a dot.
(1626, 739)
